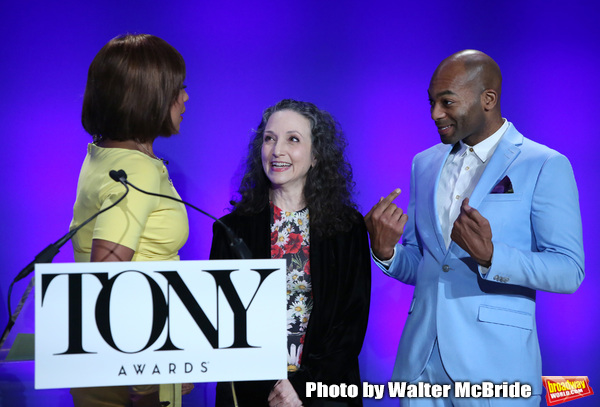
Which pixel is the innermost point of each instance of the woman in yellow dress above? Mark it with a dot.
(134, 94)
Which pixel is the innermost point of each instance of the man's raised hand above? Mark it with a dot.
(385, 223)
(472, 232)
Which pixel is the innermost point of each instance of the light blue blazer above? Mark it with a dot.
(485, 324)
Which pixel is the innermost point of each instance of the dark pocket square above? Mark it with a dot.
(503, 187)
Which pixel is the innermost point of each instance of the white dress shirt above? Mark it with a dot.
(460, 174)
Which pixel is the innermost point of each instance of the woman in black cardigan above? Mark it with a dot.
(295, 203)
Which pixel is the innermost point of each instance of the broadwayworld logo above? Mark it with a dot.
(560, 389)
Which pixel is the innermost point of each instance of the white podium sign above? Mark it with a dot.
(128, 323)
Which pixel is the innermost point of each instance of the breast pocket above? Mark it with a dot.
(506, 212)
(503, 197)
(505, 316)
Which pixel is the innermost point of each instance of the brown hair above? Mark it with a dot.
(132, 83)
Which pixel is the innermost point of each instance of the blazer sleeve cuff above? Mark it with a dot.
(385, 263)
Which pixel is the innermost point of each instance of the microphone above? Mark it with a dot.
(46, 256)
(236, 243)
(119, 176)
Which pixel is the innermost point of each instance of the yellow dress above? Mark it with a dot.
(155, 228)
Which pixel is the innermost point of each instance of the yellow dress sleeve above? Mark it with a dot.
(125, 223)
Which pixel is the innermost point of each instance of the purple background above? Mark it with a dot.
(369, 64)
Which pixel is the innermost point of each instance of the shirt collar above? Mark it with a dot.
(484, 149)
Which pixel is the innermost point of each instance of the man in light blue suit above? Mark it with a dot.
(493, 217)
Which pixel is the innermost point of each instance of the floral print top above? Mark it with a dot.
(290, 241)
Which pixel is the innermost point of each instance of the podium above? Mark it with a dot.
(19, 344)
(17, 387)
(127, 323)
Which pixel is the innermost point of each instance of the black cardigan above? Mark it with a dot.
(340, 269)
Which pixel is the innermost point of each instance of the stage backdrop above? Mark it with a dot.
(368, 63)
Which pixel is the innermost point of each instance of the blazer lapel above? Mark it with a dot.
(508, 149)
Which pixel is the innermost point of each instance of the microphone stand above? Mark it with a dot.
(236, 243)
(45, 256)
(13, 317)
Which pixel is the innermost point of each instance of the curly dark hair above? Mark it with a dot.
(329, 186)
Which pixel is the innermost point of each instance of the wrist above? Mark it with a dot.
(487, 260)
(384, 255)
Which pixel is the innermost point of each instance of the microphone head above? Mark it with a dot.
(118, 176)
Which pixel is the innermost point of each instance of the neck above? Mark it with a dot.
(145, 148)
(291, 201)
(126, 144)
(489, 129)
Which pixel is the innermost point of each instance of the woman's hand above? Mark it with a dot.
(186, 388)
(284, 395)
(146, 400)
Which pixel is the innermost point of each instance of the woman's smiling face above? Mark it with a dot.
(287, 150)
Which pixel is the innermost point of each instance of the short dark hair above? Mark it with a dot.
(132, 83)
(329, 186)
